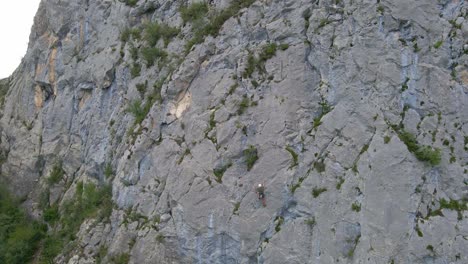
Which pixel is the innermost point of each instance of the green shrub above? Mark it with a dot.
(122, 258)
(155, 31)
(90, 201)
(193, 12)
(51, 214)
(386, 139)
(216, 22)
(131, 2)
(152, 54)
(317, 191)
(380, 9)
(409, 140)
(128, 33)
(56, 174)
(356, 207)
(268, 51)
(279, 221)
(160, 238)
(250, 68)
(251, 156)
(136, 109)
(319, 165)
(340, 183)
(219, 171)
(4, 87)
(284, 46)
(108, 172)
(426, 153)
(101, 254)
(155, 96)
(133, 52)
(243, 105)
(422, 153)
(323, 22)
(310, 222)
(135, 70)
(19, 235)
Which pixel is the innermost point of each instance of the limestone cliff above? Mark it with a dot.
(138, 129)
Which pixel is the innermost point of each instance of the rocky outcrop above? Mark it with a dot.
(353, 113)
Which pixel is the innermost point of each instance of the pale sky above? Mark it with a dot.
(16, 19)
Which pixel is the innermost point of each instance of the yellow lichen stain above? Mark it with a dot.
(182, 105)
(205, 64)
(84, 98)
(464, 77)
(39, 69)
(81, 34)
(52, 56)
(38, 97)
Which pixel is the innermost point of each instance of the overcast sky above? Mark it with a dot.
(16, 19)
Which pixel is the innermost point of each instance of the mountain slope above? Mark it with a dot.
(137, 131)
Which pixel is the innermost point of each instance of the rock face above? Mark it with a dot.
(316, 99)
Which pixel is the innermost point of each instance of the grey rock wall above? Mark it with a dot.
(324, 114)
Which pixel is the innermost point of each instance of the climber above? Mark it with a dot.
(260, 190)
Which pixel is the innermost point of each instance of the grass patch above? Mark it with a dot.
(219, 171)
(135, 70)
(438, 44)
(364, 149)
(325, 108)
(323, 22)
(122, 258)
(136, 109)
(340, 183)
(454, 205)
(160, 238)
(193, 12)
(251, 156)
(418, 231)
(317, 191)
(236, 208)
(279, 221)
(297, 185)
(293, 155)
(310, 222)
(141, 88)
(422, 153)
(243, 105)
(153, 32)
(268, 51)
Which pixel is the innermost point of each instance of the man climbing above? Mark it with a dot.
(260, 190)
